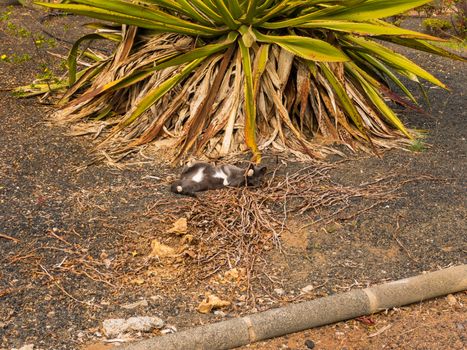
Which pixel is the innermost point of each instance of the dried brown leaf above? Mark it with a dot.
(210, 303)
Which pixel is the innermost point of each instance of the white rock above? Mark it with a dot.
(144, 324)
(114, 326)
(307, 289)
(117, 326)
(26, 347)
(279, 291)
(451, 300)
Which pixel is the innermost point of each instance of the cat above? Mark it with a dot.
(204, 176)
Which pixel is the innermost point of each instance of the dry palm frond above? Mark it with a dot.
(223, 77)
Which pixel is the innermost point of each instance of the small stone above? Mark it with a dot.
(307, 289)
(310, 344)
(107, 263)
(279, 291)
(27, 347)
(136, 304)
(451, 300)
(117, 326)
(144, 324)
(113, 327)
(460, 326)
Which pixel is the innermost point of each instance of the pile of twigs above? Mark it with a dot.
(233, 228)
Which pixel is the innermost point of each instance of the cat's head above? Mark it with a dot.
(254, 174)
(176, 187)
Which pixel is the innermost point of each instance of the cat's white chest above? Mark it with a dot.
(199, 176)
(221, 175)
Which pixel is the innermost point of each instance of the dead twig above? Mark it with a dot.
(394, 235)
(385, 328)
(64, 291)
(234, 227)
(2, 235)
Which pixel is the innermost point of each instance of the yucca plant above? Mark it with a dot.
(222, 76)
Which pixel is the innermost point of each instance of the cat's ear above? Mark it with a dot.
(260, 171)
(255, 170)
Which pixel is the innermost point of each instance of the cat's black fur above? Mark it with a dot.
(204, 176)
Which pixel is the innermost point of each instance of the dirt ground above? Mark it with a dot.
(75, 239)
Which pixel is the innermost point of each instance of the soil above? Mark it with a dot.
(75, 239)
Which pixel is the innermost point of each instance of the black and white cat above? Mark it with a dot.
(204, 176)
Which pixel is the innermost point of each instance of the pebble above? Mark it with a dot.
(451, 300)
(26, 347)
(136, 304)
(220, 313)
(307, 289)
(310, 344)
(279, 291)
(116, 326)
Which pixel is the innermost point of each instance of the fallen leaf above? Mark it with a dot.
(180, 227)
(211, 302)
(187, 239)
(366, 320)
(161, 250)
(231, 275)
(190, 253)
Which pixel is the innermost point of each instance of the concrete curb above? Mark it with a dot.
(297, 317)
